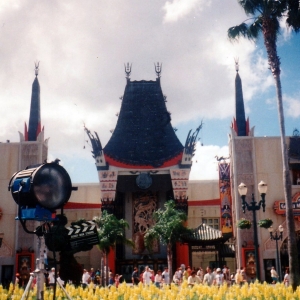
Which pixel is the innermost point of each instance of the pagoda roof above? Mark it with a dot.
(206, 235)
(143, 135)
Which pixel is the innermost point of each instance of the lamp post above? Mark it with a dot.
(254, 206)
(276, 236)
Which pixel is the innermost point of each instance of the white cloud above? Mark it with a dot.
(292, 106)
(178, 9)
(286, 31)
(205, 164)
(82, 48)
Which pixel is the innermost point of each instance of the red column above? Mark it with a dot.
(111, 260)
(182, 255)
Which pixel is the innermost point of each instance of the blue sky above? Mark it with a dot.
(82, 48)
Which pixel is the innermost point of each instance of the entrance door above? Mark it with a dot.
(268, 264)
(7, 275)
(284, 258)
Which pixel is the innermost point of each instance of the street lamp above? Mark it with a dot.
(276, 236)
(253, 206)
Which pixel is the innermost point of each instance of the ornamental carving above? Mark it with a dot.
(144, 205)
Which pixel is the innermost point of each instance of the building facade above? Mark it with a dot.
(150, 167)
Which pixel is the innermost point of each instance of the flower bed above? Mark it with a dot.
(244, 224)
(253, 291)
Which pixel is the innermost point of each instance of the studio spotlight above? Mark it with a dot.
(40, 189)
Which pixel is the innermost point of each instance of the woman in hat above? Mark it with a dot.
(219, 277)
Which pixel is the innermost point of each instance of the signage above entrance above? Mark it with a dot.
(280, 208)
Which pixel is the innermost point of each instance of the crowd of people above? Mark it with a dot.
(192, 276)
(216, 276)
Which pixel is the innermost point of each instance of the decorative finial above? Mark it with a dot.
(36, 70)
(236, 60)
(127, 70)
(157, 69)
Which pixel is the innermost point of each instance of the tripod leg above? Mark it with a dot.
(24, 296)
(62, 287)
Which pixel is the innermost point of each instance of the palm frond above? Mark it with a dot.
(293, 19)
(255, 28)
(168, 227)
(242, 30)
(252, 7)
(111, 230)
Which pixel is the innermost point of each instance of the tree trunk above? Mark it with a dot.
(170, 260)
(105, 273)
(290, 221)
(270, 37)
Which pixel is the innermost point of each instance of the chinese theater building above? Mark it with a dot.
(143, 165)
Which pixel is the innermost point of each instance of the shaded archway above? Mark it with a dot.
(284, 258)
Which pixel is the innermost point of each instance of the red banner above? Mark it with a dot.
(225, 197)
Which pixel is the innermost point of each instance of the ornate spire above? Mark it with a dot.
(34, 127)
(158, 69)
(36, 70)
(128, 70)
(240, 124)
(236, 60)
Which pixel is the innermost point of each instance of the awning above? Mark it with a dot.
(225, 250)
(205, 235)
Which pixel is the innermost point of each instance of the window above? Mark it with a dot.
(212, 222)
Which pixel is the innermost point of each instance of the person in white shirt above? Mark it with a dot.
(166, 276)
(158, 279)
(208, 277)
(219, 277)
(200, 274)
(85, 278)
(177, 276)
(193, 279)
(274, 275)
(286, 278)
(51, 278)
(147, 276)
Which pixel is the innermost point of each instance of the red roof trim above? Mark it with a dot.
(204, 202)
(74, 205)
(172, 162)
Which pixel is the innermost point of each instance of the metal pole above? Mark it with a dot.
(280, 266)
(28, 286)
(277, 257)
(39, 282)
(256, 246)
(62, 287)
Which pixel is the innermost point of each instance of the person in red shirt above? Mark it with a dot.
(141, 277)
(117, 279)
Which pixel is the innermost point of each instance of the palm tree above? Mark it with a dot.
(264, 18)
(111, 231)
(168, 228)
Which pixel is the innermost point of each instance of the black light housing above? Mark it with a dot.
(45, 187)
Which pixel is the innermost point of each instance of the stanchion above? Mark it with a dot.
(62, 287)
